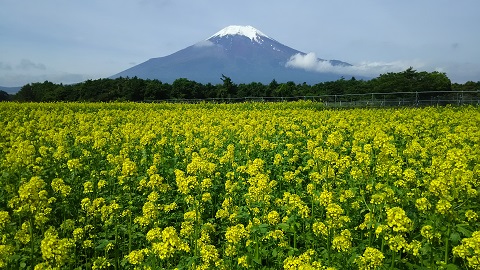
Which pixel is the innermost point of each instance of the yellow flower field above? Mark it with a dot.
(238, 186)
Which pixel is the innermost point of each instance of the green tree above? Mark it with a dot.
(230, 89)
(4, 96)
(411, 81)
(272, 87)
(156, 90)
(184, 88)
(285, 89)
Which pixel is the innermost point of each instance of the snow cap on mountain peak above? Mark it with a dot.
(248, 31)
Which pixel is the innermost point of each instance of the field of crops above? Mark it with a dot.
(238, 186)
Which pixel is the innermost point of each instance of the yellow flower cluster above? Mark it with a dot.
(185, 183)
(56, 251)
(235, 234)
(342, 242)
(429, 233)
(470, 250)
(33, 200)
(208, 252)
(422, 204)
(74, 164)
(397, 220)
(198, 165)
(136, 256)
(128, 167)
(4, 219)
(319, 228)
(335, 217)
(6, 251)
(273, 217)
(59, 186)
(372, 258)
(303, 261)
(294, 204)
(169, 243)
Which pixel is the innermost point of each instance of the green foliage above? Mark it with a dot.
(136, 89)
(4, 96)
(411, 81)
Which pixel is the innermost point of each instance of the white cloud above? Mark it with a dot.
(204, 43)
(26, 64)
(460, 72)
(311, 62)
(14, 80)
(5, 66)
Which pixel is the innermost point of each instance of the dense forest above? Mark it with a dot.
(135, 89)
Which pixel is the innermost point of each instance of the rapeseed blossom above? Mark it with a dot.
(56, 251)
(74, 164)
(443, 207)
(236, 233)
(319, 228)
(303, 261)
(422, 204)
(136, 256)
(470, 250)
(273, 217)
(169, 244)
(372, 258)
(4, 219)
(342, 242)
(5, 252)
(233, 186)
(469, 214)
(59, 186)
(398, 220)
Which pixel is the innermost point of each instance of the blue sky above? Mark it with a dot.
(71, 41)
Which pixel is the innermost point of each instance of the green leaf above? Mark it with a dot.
(257, 261)
(451, 267)
(263, 228)
(426, 249)
(352, 258)
(283, 226)
(309, 237)
(102, 244)
(455, 237)
(462, 228)
(274, 253)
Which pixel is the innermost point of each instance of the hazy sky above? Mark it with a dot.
(71, 41)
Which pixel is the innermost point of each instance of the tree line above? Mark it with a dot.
(136, 89)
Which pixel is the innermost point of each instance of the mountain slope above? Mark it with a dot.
(242, 53)
(10, 90)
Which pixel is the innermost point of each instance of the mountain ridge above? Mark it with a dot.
(241, 52)
(11, 89)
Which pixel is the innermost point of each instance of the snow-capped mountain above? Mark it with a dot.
(242, 53)
(247, 31)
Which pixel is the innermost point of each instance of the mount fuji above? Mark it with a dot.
(242, 53)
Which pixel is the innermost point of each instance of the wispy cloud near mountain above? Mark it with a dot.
(311, 62)
(204, 43)
(26, 64)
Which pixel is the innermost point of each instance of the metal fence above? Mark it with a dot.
(394, 99)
